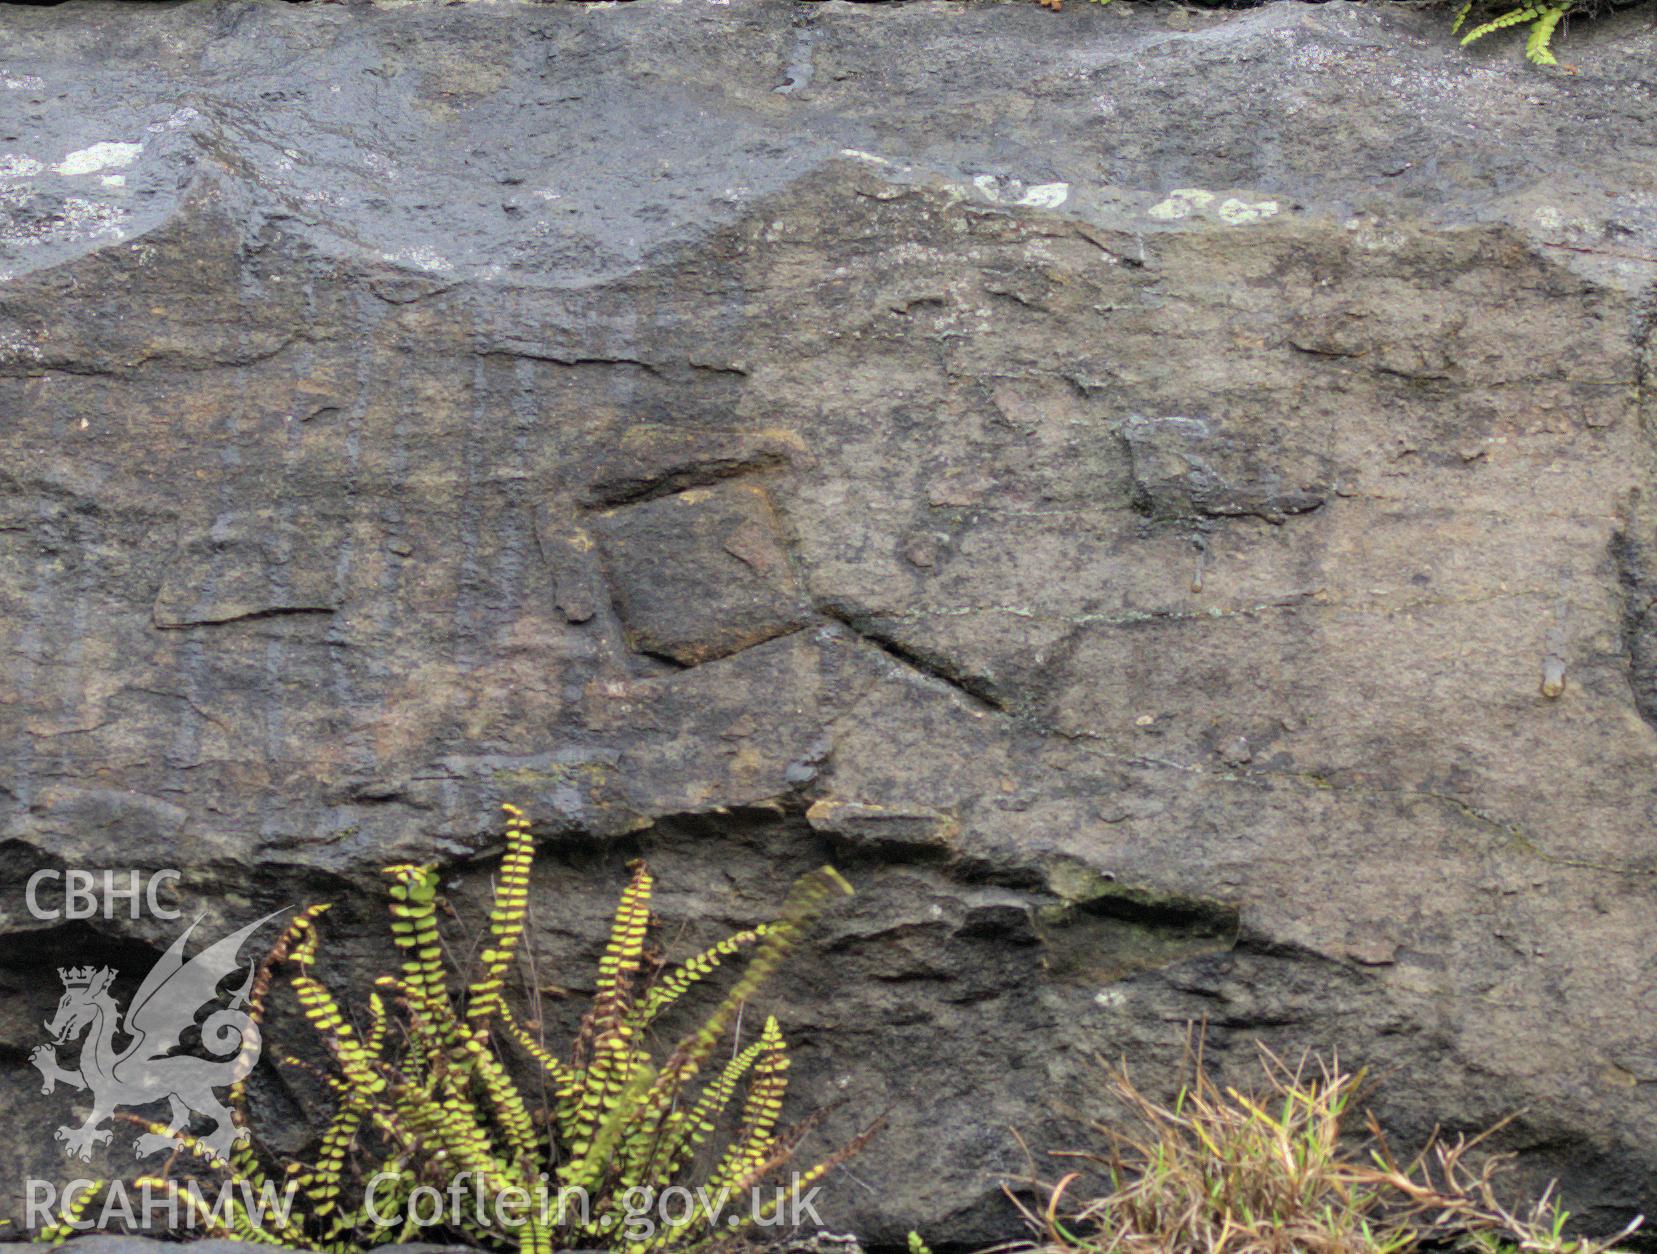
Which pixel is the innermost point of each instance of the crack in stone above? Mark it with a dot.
(1314, 781)
(658, 369)
(616, 493)
(274, 611)
(1315, 598)
(1645, 351)
(171, 360)
(927, 664)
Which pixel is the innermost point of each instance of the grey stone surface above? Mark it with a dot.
(1119, 483)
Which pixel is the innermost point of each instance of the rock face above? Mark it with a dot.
(1117, 483)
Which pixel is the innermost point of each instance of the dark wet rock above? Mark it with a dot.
(1117, 499)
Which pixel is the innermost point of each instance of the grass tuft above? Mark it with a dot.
(1279, 1171)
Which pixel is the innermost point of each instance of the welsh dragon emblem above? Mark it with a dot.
(146, 1069)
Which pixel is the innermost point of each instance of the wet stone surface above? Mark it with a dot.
(1118, 501)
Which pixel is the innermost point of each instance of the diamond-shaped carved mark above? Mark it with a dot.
(701, 574)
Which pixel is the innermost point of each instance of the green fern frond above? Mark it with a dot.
(556, 1071)
(624, 954)
(245, 1163)
(1513, 17)
(355, 1228)
(594, 1157)
(318, 1006)
(306, 937)
(756, 1135)
(1543, 16)
(607, 1036)
(321, 1183)
(1537, 46)
(507, 1104)
(687, 1130)
(414, 931)
(68, 1217)
(806, 901)
(672, 985)
(506, 918)
(809, 897)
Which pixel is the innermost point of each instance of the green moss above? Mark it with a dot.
(1099, 930)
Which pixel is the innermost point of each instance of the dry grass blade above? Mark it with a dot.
(1220, 1171)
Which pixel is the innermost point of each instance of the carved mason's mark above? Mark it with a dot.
(1099, 930)
(248, 565)
(652, 460)
(567, 549)
(701, 574)
(1632, 550)
(900, 832)
(931, 664)
(1191, 467)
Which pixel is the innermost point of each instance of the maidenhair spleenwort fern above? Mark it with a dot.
(427, 1092)
(1543, 16)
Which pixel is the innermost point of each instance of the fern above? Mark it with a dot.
(1541, 36)
(506, 920)
(1543, 16)
(71, 1216)
(446, 1100)
(757, 1135)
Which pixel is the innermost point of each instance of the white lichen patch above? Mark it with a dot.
(857, 154)
(14, 347)
(176, 120)
(77, 220)
(13, 166)
(1046, 195)
(1004, 189)
(421, 259)
(1181, 202)
(1551, 221)
(28, 82)
(102, 156)
(114, 180)
(1241, 212)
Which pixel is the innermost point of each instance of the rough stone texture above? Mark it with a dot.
(1116, 482)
